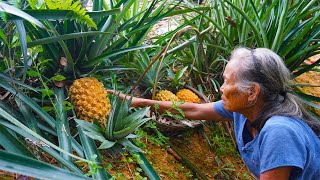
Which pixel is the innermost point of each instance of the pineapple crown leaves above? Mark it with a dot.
(79, 13)
(120, 122)
(121, 125)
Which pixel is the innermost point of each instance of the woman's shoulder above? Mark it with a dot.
(288, 127)
(284, 121)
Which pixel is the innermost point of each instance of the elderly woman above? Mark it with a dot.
(276, 137)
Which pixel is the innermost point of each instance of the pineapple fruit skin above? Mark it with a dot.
(165, 95)
(188, 96)
(90, 100)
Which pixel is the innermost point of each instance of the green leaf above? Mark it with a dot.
(128, 145)
(46, 149)
(12, 10)
(3, 37)
(58, 14)
(147, 167)
(58, 78)
(12, 144)
(57, 38)
(107, 144)
(33, 73)
(88, 126)
(23, 41)
(13, 120)
(90, 150)
(115, 53)
(30, 167)
(62, 123)
(47, 92)
(79, 13)
(95, 135)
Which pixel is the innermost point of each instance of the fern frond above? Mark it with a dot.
(4, 16)
(33, 4)
(79, 13)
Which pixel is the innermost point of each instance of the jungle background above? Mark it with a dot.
(137, 47)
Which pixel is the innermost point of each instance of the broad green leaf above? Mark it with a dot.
(14, 163)
(62, 123)
(10, 118)
(53, 39)
(23, 41)
(58, 14)
(46, 149)
(15, 11)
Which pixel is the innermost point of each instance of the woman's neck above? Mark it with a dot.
(254, 111)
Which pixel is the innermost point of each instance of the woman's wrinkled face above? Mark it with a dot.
(233, 99)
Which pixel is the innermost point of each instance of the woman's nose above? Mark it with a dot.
(222, 88)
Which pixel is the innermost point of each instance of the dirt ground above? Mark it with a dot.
(314, 79)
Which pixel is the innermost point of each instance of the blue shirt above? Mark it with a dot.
(283, 141)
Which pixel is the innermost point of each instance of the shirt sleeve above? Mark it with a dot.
(281, 145)
(218, 107)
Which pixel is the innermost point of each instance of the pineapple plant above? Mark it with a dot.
(121, 124)
(188, 96)
(166, 95)
(90, 100)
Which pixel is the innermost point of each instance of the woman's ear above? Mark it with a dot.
(254, 92)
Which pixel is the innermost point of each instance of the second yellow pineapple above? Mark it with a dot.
(188, 96)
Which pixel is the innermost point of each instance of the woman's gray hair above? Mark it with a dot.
(266, 68)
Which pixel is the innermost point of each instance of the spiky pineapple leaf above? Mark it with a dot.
(129, 145)
(88, 126)
(107, 144)
(95, 135)
(30, 167)
(79, 13)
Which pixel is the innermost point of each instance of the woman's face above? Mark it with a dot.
(232, 99)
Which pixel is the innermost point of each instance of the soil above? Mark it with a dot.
(312, 78)
(188, 155)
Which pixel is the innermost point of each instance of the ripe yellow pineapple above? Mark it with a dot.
(90, 100)
(165, 95)
(188, 96)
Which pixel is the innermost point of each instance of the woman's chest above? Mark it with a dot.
(248, 147)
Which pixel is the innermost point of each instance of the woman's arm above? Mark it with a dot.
(280, 173)
(192, 111)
